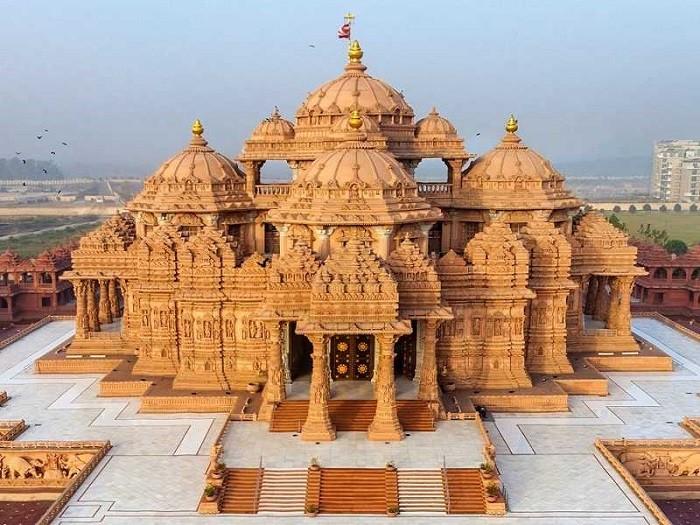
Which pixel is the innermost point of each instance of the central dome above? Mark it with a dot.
(355, 89)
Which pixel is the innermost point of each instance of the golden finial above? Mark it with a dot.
(197, 128)
(512, 124)
(355, 120)
(355, 52)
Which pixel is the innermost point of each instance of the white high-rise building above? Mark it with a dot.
(676, 174)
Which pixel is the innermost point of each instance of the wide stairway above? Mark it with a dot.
(241, 489)
(352, 415)
(465, 491)
(421, 492)
(356, 491)
(283, 491)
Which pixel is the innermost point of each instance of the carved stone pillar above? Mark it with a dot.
(93, 319)
(591, 293)
(252, 175)
(600, 310)
(619, 312)
(82, 323)
(321, 241)
(283, 230)
(274, 391)
(454, 173)
(385, 426)
(318, 425)
(428, 387)
(104, 313)
(113, 298)
(383, 241)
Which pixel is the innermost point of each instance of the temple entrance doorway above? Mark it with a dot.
(405, 348)
(300, 353)
(352, 357)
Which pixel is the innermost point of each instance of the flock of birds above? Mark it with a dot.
(52, 152)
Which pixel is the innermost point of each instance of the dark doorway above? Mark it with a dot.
(352, 357)
(405, 360)
(300, 353)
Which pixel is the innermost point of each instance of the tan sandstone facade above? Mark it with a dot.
(354, 270)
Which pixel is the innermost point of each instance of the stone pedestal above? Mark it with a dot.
(318, 425)
(385, 426)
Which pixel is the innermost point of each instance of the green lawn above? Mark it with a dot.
(682, 225)
(33, 245)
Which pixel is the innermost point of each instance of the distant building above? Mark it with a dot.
(673, 284)
(30, 288)
(676, 172)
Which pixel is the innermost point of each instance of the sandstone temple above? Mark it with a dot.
(489, 287)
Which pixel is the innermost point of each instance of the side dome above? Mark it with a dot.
(435, 126)
(197, 179)
(355, 89)
(274, 129)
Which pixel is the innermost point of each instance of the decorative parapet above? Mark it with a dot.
(9, 430)
(434, 189)
(602, 446)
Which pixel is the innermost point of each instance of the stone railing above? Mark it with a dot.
(602, 446)
(34, 326)
(670, 322)
(438, 189)
(272, 190)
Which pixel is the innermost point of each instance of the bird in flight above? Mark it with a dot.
(53, 153)
(312, 45)
(64, 143)
(46, 131)
(24, 161)
(24, 184)
(18, 152)
(478, 134)
(44, 170)
(39, 137)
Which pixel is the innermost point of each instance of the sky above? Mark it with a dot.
(121, 81)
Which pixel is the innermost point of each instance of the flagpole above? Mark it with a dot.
(349, 20)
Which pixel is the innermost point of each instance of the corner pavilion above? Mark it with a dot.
(489, 284)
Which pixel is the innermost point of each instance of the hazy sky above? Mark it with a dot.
(121, 81)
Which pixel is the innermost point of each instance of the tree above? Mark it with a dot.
(676, 246)
(632, 208)
(615, 221)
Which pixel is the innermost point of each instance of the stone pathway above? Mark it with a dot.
(154, 473)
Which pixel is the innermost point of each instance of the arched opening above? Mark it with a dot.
(678, 273)
(696, 274)
(693, 207)
(405, 358)
(646, 207)
(276, 172)
(272, 239)
(660, 273)
(431, 170)
(663, 208)
(46, 278)
(3, 303)
(300, 362)
(677, 207)
(632, 208)
(435, 239)
(27, 278)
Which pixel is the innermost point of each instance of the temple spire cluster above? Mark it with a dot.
(354, 270)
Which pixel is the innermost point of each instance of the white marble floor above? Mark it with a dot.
(154, 473)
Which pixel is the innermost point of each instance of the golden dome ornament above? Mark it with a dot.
(197, 128)
(355, 120)
(355, 52)
(512, 124)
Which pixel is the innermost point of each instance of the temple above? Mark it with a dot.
(488, 285)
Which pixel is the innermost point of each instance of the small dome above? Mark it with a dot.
(198, 177)
(274, 128)
(512, 160)
(357, 162)
(355, 89)
(435, 126)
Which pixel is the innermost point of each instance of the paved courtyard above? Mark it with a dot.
(154, 473)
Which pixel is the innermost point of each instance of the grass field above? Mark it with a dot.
(33, 245)
(684, 226)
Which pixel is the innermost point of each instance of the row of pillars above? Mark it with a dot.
(97, 304)
(614, 307)
(386, 425)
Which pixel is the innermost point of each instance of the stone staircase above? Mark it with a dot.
(352, 415)
(421, 492)
(465, 491)
(241, 488)
(283, 491)
(354, 491)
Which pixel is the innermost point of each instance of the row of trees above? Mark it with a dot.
(28, 169)
(648, 232)
(647, 207)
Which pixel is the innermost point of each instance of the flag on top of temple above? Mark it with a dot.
(344, 31)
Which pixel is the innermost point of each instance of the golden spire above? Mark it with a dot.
(512, 124)
(197, 128)
(355, 120)
(355, 52)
